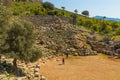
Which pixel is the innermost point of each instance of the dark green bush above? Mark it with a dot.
(52, 12)
(36, 54)
(48, 5)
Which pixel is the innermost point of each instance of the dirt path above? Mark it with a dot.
(82, 68)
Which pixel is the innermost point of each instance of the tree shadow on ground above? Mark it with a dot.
(9, 68)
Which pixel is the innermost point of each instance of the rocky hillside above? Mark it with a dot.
(57, 36)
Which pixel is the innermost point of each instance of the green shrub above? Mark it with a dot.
(36, 54)
(52, 12)
(48, 5)
(27, 8)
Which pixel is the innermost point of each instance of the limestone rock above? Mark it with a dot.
(75, 54)
(42, 77)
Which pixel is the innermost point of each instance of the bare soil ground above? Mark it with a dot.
(82, 68)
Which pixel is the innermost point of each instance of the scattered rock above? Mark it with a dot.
(36, 74)
(42, 77)
(75, 54)
(36, 70)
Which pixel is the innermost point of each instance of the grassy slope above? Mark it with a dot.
(57, 32)
(108, 28)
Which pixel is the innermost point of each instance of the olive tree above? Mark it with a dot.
(20, 39)
(17, 38)
(4, 21)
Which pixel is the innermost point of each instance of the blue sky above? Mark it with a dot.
(109, 8)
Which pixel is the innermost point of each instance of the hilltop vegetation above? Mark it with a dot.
(110, 29)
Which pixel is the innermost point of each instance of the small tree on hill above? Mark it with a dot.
(76, 11)
(104, 17)
(63, 9)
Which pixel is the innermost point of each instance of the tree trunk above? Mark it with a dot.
(15, 63)
(0, 58)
